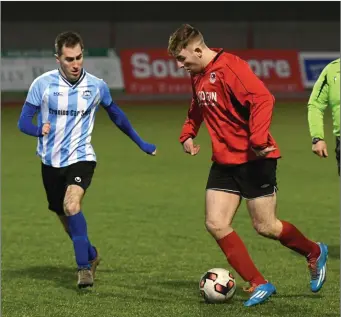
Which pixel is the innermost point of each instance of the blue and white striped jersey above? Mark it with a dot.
(70, 109)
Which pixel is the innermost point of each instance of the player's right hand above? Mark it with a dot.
(46, 128)
(320, 148)
(190, 147)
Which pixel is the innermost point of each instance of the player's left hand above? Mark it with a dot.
(264, 152)
(149, 148)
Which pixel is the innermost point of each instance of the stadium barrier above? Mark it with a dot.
(312, 64)
(154, 72)
(289, 71)
(20, 68)
(150, 74)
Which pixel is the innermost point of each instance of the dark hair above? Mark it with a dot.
(182, 37)
(67, 39)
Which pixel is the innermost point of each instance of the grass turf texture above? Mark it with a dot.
(146, 216)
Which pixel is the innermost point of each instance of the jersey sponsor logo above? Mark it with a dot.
(57, 94)
(73, 113)
(207, 98)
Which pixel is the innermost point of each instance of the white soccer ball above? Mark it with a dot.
(217, 286)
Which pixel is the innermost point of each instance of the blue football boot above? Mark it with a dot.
(318, 268)
(260, 294)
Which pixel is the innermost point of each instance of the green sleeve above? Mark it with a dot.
(317, 104)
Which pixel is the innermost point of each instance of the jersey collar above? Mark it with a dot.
(74, 84)
(209, 65)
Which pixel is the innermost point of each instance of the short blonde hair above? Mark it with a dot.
(182, 37)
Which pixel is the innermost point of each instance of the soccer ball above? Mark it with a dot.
(217, 286)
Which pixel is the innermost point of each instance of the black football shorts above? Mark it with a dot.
(250, 180)
(56, 181)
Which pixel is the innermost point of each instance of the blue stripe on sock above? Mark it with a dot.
(76, 238)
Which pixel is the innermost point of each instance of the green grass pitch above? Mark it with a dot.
(146, 216)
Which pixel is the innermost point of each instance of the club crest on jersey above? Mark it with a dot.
(213, 78)
(86, 94)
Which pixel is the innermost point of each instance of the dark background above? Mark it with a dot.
(170, 11)
(308, 26)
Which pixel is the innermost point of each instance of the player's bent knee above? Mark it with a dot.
(268, 230)
(217, 228)
(262, 229)
(72, 208)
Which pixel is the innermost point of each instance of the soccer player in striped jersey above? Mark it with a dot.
(326, 92)
(65, 101)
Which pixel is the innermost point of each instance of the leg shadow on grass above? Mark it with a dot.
(177, 288)
(181, 291)
(62, 276)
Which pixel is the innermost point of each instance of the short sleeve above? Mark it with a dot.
(106, 99)
(35, 94)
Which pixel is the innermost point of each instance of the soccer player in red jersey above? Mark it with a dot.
(237, 109)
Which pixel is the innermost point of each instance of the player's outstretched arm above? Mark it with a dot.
(26, 125)
(122, 122)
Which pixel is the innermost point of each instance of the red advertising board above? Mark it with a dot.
(154, 72)
(279, 70)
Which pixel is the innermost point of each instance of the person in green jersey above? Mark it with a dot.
(326, 92)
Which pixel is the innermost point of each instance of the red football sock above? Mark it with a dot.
(238, 257)
(293, 239)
